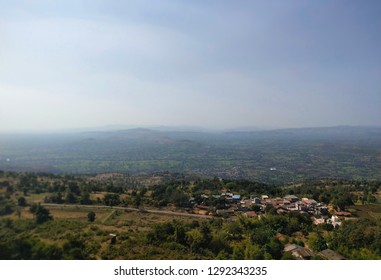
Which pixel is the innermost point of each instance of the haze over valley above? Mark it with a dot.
(270, 156)
(219, 130)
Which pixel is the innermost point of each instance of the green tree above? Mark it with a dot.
(74, 188)
(200, 238)
(274, 248)
(354, 239)
(261, 235)
(195, 240)
(91, 216)
(111, 199)
(137, 201)
(143, 191)
(253, 252)
(70, 197)
(75, 249)
(180, 234)
(238, 251)
(342, 201)
(206, 234)
(220, 243)
(234, 230)
(21, 201)
(85, 198)
(316, 242)
(6, 209)
(33, 208)
(160, 232)
(287, 256)
(10, 189)
(42, 215)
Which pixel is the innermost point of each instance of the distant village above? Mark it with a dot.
(235, 204)
(255, 206)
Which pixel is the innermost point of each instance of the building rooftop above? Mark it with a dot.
(331, 255)
(342, 213)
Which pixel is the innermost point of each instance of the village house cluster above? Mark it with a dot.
(228, 204)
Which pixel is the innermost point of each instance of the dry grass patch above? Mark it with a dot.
(35, 198)
(77, 213)
(95, 196)
(370, 211)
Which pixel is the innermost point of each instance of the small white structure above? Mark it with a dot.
(335, 221)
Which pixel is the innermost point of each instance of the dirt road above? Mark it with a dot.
(142, 210)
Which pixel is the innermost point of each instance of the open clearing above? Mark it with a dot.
(120, 218)
(370, 211)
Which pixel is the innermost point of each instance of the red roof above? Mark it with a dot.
(342, 213)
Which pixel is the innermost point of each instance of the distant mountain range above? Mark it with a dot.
(271, 156)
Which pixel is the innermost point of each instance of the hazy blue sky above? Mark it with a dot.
(215, 64)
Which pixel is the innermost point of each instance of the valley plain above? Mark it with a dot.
(151, 194)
